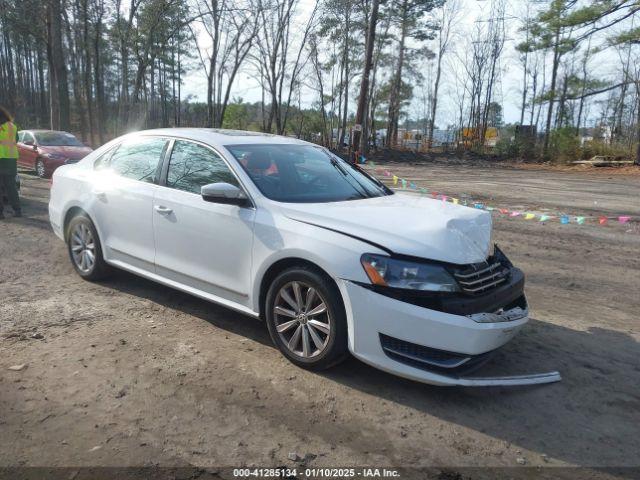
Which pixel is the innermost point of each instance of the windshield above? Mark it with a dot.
(57, 139)
(304, 174)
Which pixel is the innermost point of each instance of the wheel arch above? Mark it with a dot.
(72, 212)
(280, 266)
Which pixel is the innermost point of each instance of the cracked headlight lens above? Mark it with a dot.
(390, 272)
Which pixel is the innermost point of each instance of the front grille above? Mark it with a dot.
(479, 278)
(432, 359)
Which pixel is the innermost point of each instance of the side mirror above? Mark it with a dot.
(224, 193)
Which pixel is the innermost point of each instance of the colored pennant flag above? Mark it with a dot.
(564, 219)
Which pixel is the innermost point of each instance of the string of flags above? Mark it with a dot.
(564, 219)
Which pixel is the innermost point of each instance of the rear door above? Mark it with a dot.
(204, 245)
(122, 200)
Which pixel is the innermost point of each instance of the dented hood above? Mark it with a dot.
(406, 224)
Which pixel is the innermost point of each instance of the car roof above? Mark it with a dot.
(219, 136)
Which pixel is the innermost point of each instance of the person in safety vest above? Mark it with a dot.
(9, 162)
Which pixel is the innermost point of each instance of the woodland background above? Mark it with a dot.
(100, 68)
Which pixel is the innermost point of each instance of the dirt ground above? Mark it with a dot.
(130, 373)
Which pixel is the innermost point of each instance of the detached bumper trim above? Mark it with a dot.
(534, 379)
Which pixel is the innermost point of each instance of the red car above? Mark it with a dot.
(46, 150)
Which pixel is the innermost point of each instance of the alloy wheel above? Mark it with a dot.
(302, 319)
(83, 248)
(40, 168)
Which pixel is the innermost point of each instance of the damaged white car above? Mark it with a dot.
(331, 259)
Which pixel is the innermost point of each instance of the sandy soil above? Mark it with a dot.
(130, 373)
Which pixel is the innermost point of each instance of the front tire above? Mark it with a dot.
(85, 252)
(41, 170)
(306, 318)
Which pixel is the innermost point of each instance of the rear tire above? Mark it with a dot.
(306, 318)
(85, 251)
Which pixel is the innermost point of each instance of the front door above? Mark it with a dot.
(27, 151)
(122, 201)
(206, 246)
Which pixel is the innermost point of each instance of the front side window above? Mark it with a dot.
(193, 166)
(304, 174)
(138, 158)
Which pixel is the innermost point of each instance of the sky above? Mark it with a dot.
(508, 89)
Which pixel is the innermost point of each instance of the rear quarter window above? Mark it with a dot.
(137, 159)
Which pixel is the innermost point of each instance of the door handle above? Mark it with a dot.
(163, 210)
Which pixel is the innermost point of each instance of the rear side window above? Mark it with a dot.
(139, 158)
(192, 166)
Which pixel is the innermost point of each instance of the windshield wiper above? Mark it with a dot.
(339, 167)
(348, 177)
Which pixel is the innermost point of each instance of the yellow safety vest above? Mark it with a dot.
(8, 146)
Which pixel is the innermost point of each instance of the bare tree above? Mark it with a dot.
(279, 61)
(447, 18)
(232, 29)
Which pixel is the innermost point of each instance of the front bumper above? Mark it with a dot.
(373, 318)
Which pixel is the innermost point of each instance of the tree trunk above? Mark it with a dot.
(87, 72)
(54, 99)
(394, 99)
(364, 83)
(58, 64)
(638, 122)
(552, 92)
(99, 81)
(434, 103)
(524, 83)
(345, 82)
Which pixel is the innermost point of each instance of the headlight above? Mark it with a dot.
(389, 272)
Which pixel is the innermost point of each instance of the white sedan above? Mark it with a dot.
(276, 228)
